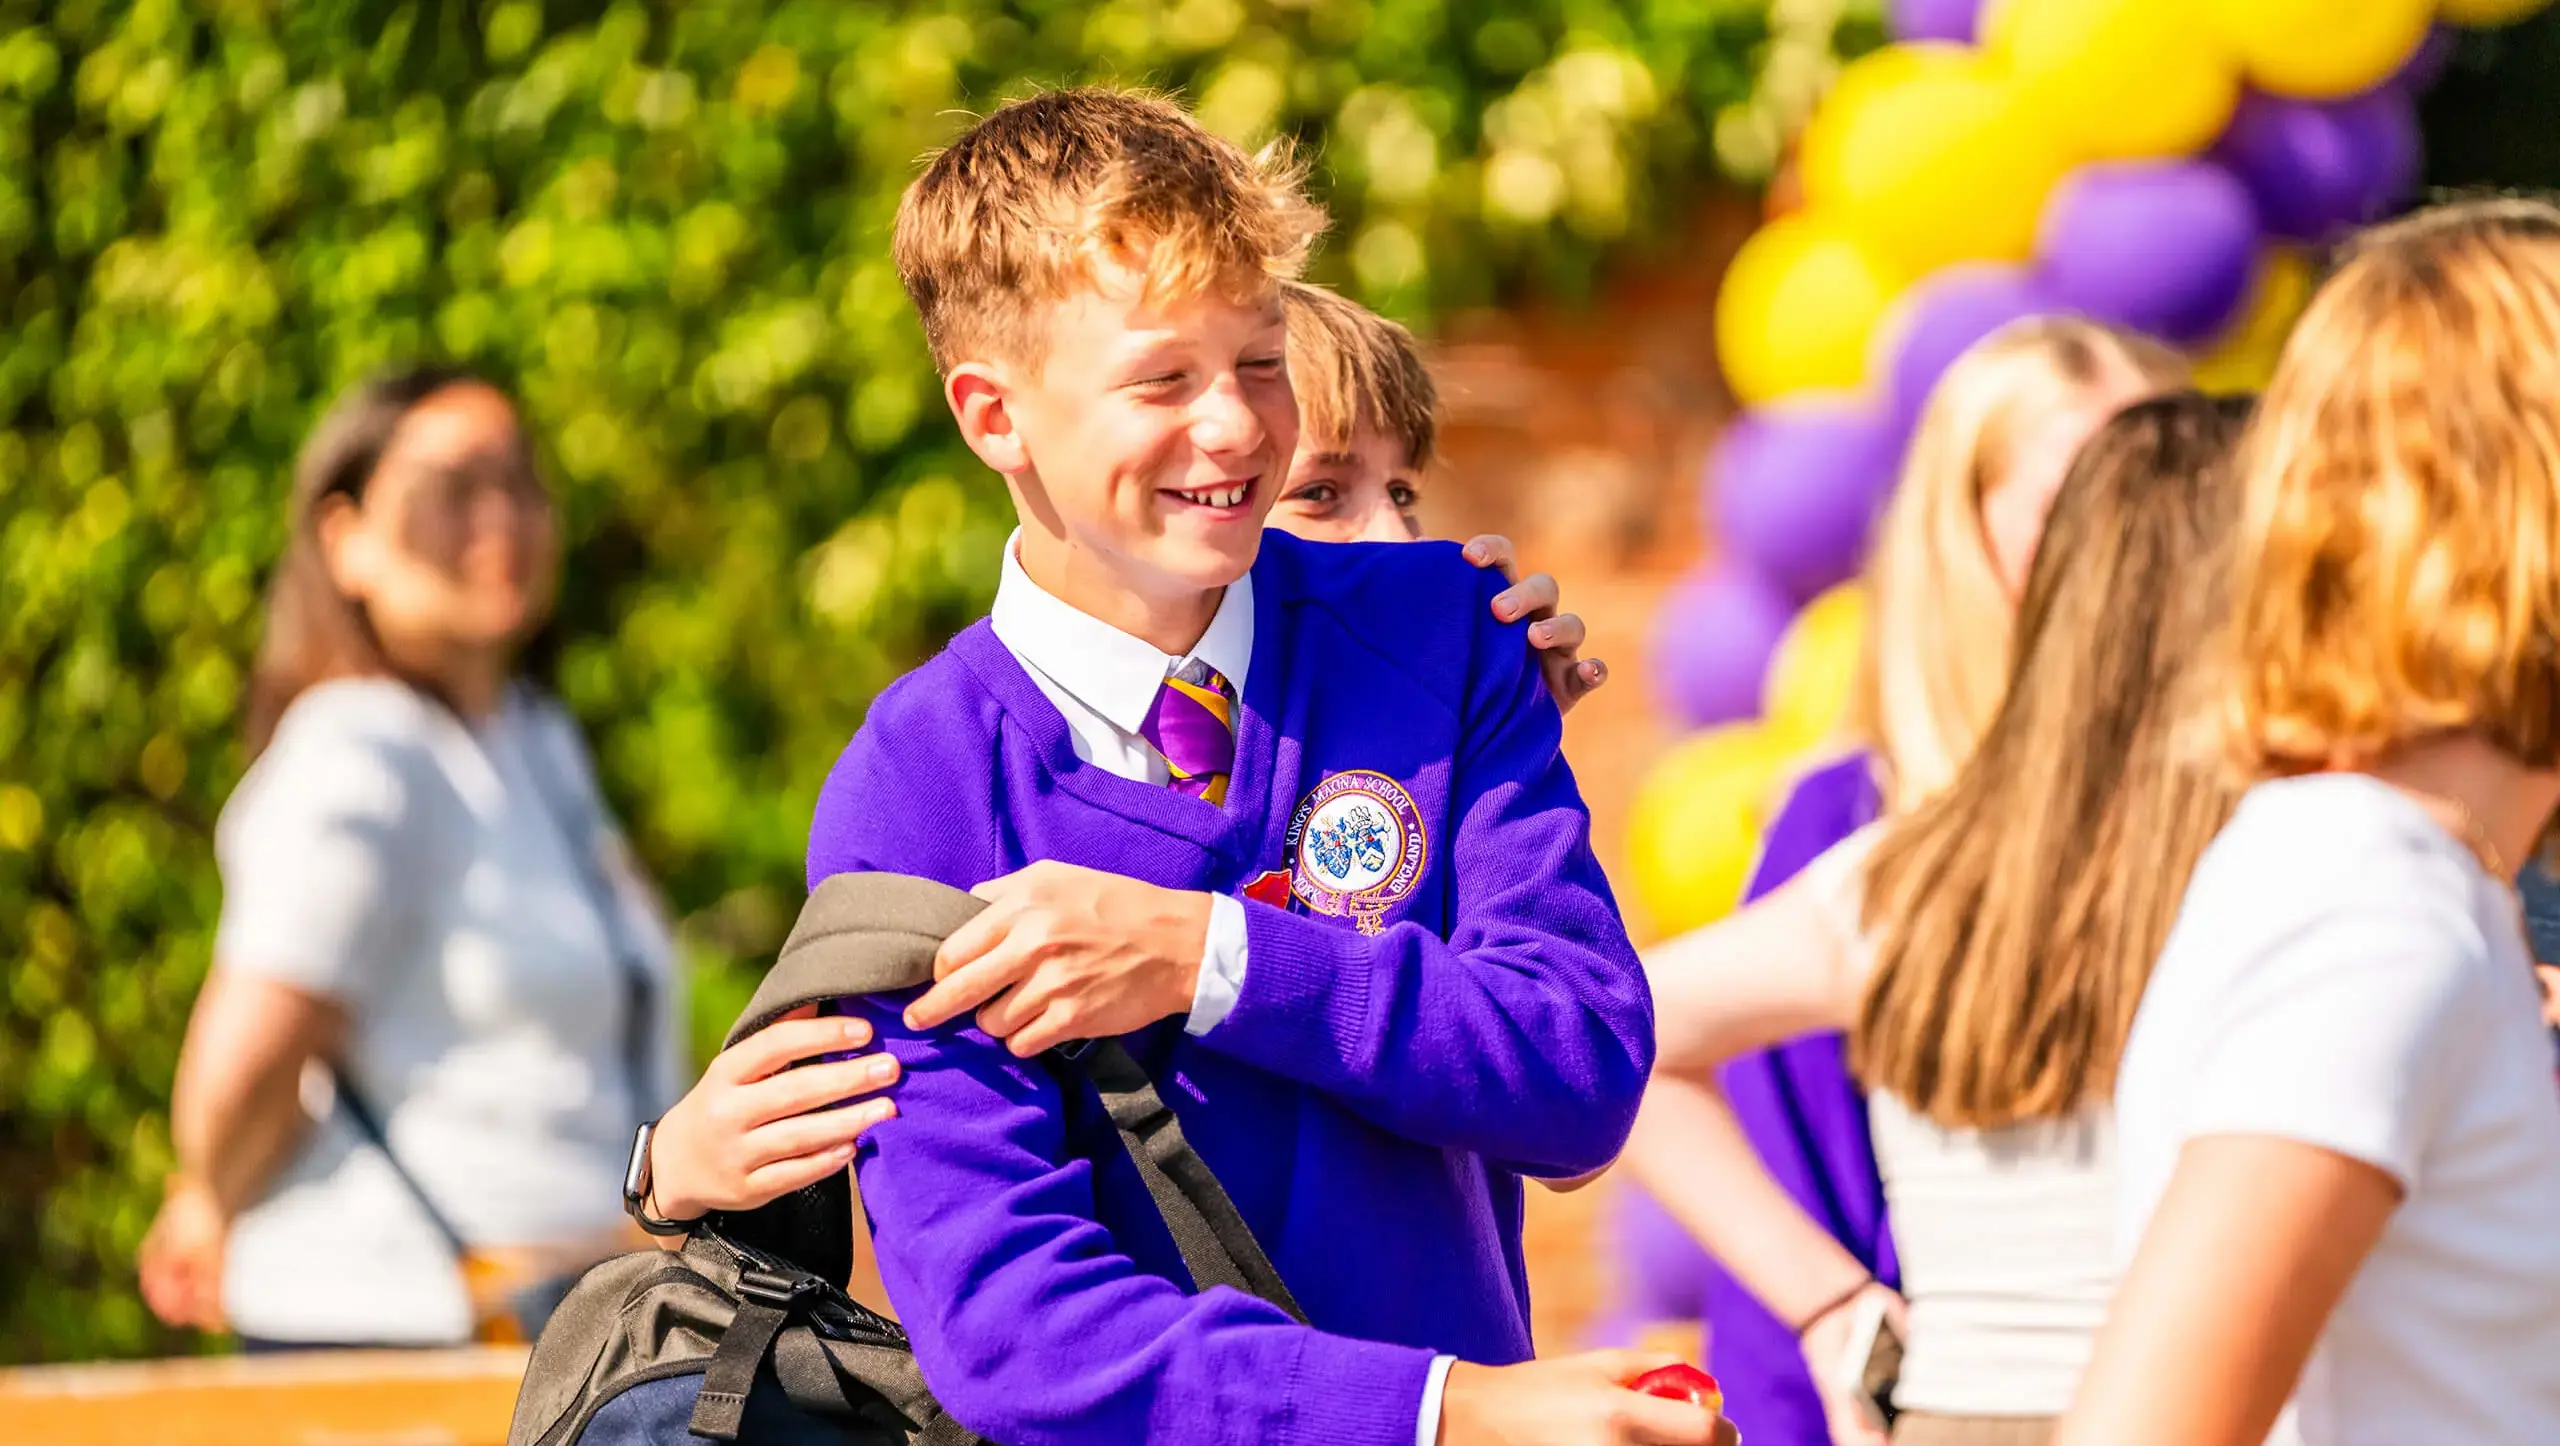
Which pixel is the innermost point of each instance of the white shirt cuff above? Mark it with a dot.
(1221, 967)
(1426, 1427)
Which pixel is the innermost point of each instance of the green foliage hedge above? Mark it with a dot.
(664, 225)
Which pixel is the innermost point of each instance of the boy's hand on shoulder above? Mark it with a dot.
(1063, 953)
(1557, 636)
(758, 1126)
(1580, 1400)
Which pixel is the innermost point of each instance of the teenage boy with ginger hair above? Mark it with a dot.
(1290, 820)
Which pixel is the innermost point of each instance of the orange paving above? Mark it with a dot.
(335, 1398)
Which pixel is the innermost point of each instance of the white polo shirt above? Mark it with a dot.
(385, 855)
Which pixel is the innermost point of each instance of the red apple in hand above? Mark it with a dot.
(1680, 1382)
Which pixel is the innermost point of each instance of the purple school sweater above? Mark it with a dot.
(1445, 1003)
(1808, 1118)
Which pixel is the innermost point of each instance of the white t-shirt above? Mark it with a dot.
(420, 872)
(2004, 1234)
(2343, 973)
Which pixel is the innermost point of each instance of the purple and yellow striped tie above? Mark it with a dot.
(1192, 723)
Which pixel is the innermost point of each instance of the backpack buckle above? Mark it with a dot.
(781, 1292)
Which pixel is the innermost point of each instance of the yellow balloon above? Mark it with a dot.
(2318, 49)
(1861, 81)
(2234, 373)
(1930, 152)
(1695, 827)
(2487, 12)
(1807, 691)
(1798, 307)
(2244, 356)
(2118, 79)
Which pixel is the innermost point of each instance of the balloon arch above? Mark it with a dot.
(2160, 165)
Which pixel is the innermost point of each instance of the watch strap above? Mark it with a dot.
(637, 1181)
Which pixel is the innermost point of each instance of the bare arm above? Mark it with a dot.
(1768, 973)
(1690, 1152)
(236, 1117)
(1777, 969)
(237, 1112)
(2255, 1241)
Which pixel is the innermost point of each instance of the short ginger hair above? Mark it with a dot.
(1034, 199)
(1353, 368)
(2397, 571)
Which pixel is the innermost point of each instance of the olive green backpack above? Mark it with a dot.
(745, 1334)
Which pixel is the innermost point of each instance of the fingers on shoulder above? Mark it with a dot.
(785, 1042)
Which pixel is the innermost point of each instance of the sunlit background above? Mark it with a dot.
(665, 227)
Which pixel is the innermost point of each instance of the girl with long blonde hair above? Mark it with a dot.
(1983, 950)
(1960, 534)
(2341, 1143)
(1951, 558)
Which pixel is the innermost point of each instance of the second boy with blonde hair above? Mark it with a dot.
(1368, 417)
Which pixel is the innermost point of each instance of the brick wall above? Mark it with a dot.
(1580, 434)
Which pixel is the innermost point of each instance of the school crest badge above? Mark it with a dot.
(1356, 846)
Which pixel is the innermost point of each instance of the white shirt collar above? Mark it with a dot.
(1105, 669)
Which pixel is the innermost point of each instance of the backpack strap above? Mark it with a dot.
(1216, 1244)
(870, 933)
(766, 1303)
(857, 934)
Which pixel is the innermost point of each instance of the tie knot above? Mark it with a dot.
(1192, 723)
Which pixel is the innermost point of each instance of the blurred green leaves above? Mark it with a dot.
(664, 226)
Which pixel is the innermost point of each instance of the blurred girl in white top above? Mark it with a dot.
(422, 891)
(1950, 562)
(2340, 1136)
(1984, 951)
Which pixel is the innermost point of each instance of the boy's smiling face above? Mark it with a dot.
(1144, 448)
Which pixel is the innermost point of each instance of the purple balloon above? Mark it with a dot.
(1953, 20)
(2386, 126)
(2425, 66)
(2315, 168)
(2164, 247)
(1793, 491)
(1713, 642)
(1946, 316)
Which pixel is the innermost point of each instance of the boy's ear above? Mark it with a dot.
(977, 393)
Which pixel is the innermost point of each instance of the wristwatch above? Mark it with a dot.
(635, 1187)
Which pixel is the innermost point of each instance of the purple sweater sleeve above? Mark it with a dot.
(1032, 1327)
(1035, 1330)
(1527, 1033)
